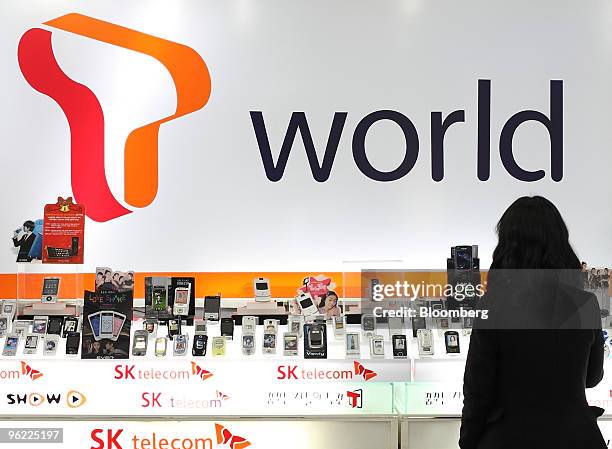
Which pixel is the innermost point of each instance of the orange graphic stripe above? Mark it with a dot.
(229, 284)
(191, 81)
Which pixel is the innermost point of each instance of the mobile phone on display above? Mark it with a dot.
(71, 324)
(290, 344)
(200, 327)
(9, 309)
(373, 284)
(21, 327)
(200, 342)
(50, 345)
(306, 303)
(270, 326)
(295, 324)
(73, 341)
(396, 326)
(425, 341)
(315, 340)
(10, 345)
(181, 301)
(54, 325)
(174, 328)
(160, 299)
(31, 343)
(400, 346)
(218, 346)
(150, 326)
(418, 323)
(463, 258)
(368, 325)
(39, 325)
(352, 344)
(339, 323)
(248, 344)
(261, 288)
(249, 324)
(269, 336)
(377, 347)
(180, 345)
(139, 345)
(227, 328)
(4, 325)
(212, 308)
(161, 344)
(269, 343)
(451, 341)
(443, 325)
(50, 290)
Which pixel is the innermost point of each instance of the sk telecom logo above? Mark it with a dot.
(27, 370)
(200, 372)
(364, 372)
(226, 438)
(86, 119)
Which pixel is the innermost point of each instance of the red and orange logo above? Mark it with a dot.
(86, 119)
(364, 372)
(225, 437)
(200, 372)
(27, 370)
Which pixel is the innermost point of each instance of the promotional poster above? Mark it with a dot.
(64, 232)
(107, 318)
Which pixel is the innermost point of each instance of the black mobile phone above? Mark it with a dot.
(55, 324)
(200, 341)
(315, 341)
(227, 328)
(73, 341)
(451, 341)
(71, 324)
(400, 346)
(463, 258)
(212, 307)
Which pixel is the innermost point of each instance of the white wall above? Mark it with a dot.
(216, 210)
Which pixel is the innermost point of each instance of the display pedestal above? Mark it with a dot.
(262, 310)
(30, 278)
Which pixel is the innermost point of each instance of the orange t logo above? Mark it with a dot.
(84, 113)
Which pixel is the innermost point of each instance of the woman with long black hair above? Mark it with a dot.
(529, 363)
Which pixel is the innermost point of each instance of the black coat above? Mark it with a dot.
(25, 245)
(527, 370)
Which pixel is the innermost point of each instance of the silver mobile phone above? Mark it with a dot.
(140, 343)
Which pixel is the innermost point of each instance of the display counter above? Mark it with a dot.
(242, 396)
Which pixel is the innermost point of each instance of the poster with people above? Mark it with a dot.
(114, 281)
(27, 241)
(107, 318)
(322, 291)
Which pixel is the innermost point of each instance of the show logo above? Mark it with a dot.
(72, 399)
(85, 116)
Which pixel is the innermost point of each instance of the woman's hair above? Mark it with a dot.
(533, 235)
